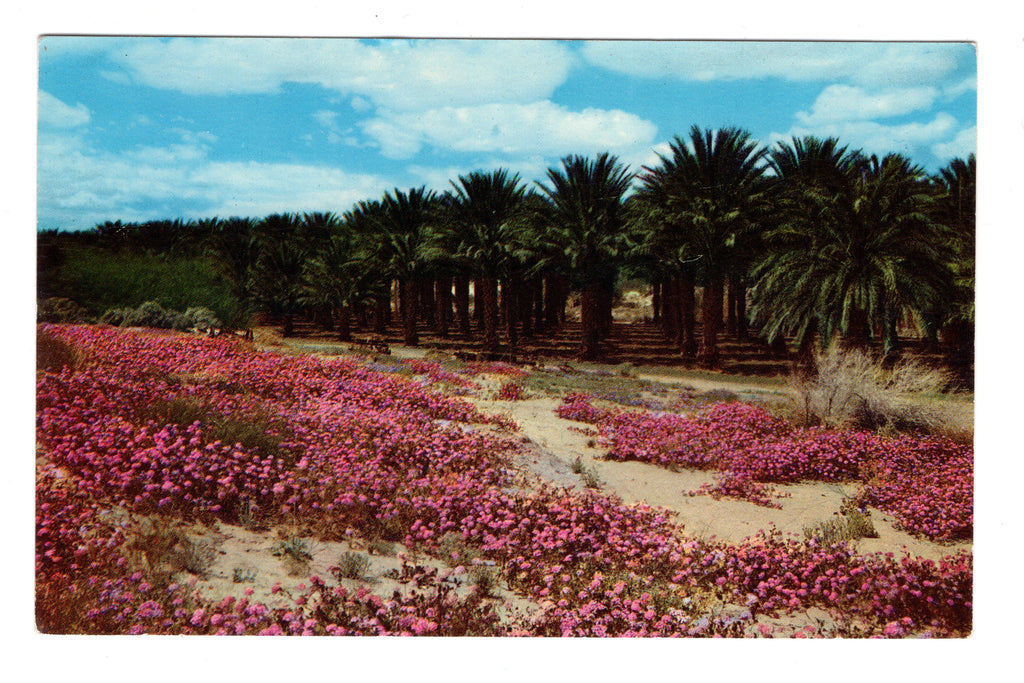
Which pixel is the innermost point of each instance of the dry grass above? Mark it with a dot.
(852, 389)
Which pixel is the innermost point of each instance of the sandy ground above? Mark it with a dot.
(552, 447)
(804, 504)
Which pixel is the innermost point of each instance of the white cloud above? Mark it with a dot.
(964, 143)
(258, 189)
(876, 138)
(851, 103)
(57, 114)
(326, 118)
(516, 129)
(969, 84)
(79, 187)
(874, 64)
(399, 75)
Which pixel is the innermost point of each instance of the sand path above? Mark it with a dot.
(803, 504)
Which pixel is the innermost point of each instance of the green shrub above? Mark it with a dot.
(295, 553)
(848, 524)
(252, 432)
(101, 280)
(61, 311)
(352, 566)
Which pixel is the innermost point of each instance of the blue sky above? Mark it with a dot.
(135, 129)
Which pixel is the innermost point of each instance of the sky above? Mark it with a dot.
(145, 128)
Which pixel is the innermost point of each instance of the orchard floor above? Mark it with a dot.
(552, 444)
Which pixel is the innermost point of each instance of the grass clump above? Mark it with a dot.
(295, 553)
(164, 551)
(849, 388)
(849, 524)
(352, 566)
(587, 474)
(243, 575)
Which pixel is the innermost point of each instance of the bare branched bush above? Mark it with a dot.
(850, 388)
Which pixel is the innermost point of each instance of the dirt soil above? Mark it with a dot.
(551, 446)
(804, 504)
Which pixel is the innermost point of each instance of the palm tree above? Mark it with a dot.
(402, 222)
(341, 276)
(955, 209)
(233, 245)
(483, 211)
(850, 259)
(707, 191)
(276, 277)
(803, 170)
(586, 228)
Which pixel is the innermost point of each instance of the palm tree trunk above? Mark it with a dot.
(670, 317)
(858, 331)
(890, 335)
(478, 303)
(656, 300)
(687, 309)
(590, 322)
(538, 305)
(510, 307)
(741, 310)
(444, 305)
(343, 324)
(462, 304)
(731, 304)
(380, 316)
(711, 315)
(805, 353)
(552, 296)
(288, 325)
(488, 302)
(526, 297)
(426, 303)
(410, 293)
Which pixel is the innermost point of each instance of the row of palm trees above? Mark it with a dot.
(822, 241)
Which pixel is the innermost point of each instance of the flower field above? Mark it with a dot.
(168, 427)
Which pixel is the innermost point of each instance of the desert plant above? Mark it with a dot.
(53, 354)
(251, 432)
(194, 556)
(295, 553)
(511, 391)
(849, 524)
(380, 546)
(62, 311)
(850, 388)
(483, 578)
(352, 566)
(590, 478)
(243, 575)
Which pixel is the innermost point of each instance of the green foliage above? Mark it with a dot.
(100, 280)
(849, 524)
(352, 566)
(380, 546)
(243, 575)
(61, 311)
(296, 555)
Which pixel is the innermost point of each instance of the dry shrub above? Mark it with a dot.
(53, 353)
(850, 388)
